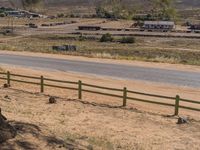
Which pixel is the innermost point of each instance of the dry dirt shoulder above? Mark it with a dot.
(81, 125)
(96, 121)
(140, 86)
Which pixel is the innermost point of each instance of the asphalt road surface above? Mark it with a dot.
(180, 78)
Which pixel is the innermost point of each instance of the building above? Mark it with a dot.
(195, 27)
(14, 13)
(158, 26)
(21, 13)
(65, 48)
(90, 28)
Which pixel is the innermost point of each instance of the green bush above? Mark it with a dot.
(106, 38)
(129, 39)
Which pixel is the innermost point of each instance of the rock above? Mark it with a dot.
(6, 130)
(52, 100)
(6, 85)
(182, 120)
(7, 97)
(90, 147)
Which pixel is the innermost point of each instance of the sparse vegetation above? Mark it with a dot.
(106, 38)
(114, 9)
(60, 15)
(129, 40)
(184, 51)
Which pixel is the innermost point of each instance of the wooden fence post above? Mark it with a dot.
(124, 96)
(42, 84)
(8, 78)
(79, 89)
(177, 105)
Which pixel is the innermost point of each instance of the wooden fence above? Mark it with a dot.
(83, 87)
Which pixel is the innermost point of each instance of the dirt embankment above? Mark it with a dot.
(96, 122)
(87, 125)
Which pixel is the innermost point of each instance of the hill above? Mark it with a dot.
(182, 4)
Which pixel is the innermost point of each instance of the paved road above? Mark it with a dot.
(181, 78)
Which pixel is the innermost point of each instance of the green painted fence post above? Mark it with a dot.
(124, 96)
(79, 89)
(8, 78)
(177, 105)
(42, 84)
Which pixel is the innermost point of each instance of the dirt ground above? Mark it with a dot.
(95, 122)
(75, 124)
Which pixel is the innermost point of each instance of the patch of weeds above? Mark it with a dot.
(89, 142)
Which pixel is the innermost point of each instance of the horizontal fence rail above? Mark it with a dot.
(152, 95)
(81, 87)
(21, 81)
(24, 76)
(101, 93)
(59, 81)
(149, 101)
(101, 87)
(60, 87)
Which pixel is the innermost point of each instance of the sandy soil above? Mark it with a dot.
(96, 122)
(75, 124)
(140, 86)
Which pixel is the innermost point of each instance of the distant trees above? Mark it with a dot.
(117, 9)
(112, 9)
(163, 10)
(30, 3)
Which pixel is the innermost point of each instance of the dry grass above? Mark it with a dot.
(185, 51)
(73, 123)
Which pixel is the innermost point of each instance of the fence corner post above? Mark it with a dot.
(124, 96)
(177, 105)
(8, 78)
(79, 89)
(42, 84)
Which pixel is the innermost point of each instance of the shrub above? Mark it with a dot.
(106, 38)
(2, 15)
(129, 39)
(82, 38)
(61, 15)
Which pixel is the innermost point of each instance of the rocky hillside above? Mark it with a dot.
(179, 3)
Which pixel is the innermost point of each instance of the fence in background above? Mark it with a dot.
(83, 87)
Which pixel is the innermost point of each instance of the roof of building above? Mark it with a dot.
(159, 22)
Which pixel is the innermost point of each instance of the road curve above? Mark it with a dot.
(180, 78)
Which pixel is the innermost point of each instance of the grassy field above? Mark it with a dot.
(170, 50)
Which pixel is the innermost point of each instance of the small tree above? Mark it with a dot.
(106, 38)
